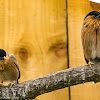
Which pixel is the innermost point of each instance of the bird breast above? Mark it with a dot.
(8, 70)
(91, 37)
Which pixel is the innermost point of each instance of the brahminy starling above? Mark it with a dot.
(9, 70)
(90, 37)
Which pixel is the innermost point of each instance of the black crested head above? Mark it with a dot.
(2, 53)
(95, 14)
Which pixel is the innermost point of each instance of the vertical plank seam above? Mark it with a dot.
(69, 89)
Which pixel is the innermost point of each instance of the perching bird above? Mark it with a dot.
(90, 36)
(9, 70)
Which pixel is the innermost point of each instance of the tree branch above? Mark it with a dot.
(54, 81)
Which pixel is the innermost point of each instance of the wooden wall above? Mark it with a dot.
(35, 32)
(77, 10)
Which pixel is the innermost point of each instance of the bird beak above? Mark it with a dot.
(98, 16)
(5, 58)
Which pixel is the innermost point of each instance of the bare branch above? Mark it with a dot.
(54, 81)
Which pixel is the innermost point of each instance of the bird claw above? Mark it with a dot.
(90, 64)
(12, 84)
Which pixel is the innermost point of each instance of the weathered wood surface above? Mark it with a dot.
(77, 10)
(35, 32)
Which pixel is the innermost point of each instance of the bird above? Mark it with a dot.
(9, 69)
(90, 37)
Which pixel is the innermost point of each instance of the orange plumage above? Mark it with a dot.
(9, 70)
(90, 36)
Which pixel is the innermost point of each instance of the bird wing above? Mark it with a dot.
(98, 39)
(11, 56)
(88, 37)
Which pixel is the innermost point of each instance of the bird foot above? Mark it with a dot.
(90, 64)
(12, 84)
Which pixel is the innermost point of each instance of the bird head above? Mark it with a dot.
(95, 14)
(2, 54)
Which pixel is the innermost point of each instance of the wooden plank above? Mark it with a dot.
(35, 32)
(77, 10)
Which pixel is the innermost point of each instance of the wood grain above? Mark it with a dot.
(77, 10)
(35, 32)
(95, 6)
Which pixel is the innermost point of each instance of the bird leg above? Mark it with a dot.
(90, 64)
(12, 84)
